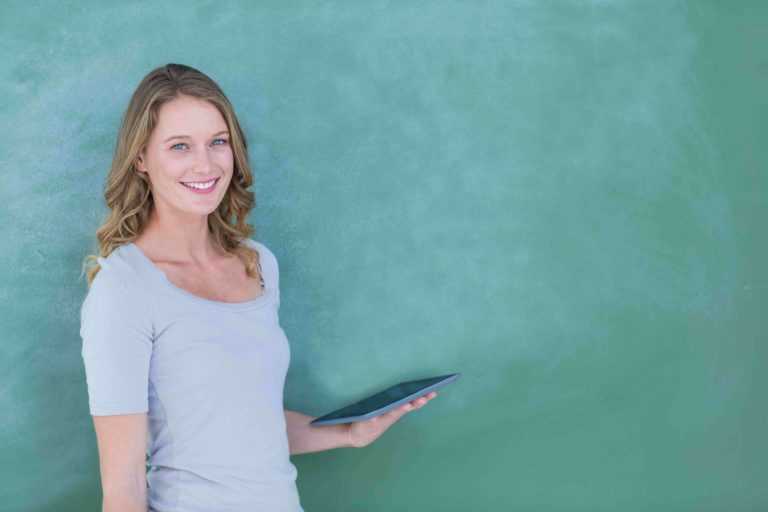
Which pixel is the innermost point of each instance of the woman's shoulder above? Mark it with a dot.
(264, 251)
(267, 259)
(120, 270)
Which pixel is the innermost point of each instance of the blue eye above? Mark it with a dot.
(224, 142)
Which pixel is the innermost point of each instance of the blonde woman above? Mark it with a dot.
(183, 351)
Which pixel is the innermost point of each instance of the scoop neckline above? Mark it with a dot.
(265, 297)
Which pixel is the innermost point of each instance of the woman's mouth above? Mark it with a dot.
(201, 187)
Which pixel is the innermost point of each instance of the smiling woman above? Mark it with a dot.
(184, 355)
(202, 398)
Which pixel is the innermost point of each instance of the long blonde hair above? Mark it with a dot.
(127, 193)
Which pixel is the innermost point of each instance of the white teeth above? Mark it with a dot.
(201, 186)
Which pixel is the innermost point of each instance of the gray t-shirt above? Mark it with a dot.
(210, 376)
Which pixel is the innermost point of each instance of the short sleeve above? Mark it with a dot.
(117, 334)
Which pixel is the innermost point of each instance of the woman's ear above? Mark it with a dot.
(140, 163)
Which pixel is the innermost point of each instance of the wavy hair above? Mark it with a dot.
(127, 193)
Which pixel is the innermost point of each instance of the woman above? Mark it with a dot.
(184, 355)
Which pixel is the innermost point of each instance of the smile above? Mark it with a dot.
(201, 187)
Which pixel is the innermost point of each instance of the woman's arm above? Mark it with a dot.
(305, 438)
(122, 443)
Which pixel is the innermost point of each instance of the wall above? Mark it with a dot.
(563, 201)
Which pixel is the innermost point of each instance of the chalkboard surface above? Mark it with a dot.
(564, 201)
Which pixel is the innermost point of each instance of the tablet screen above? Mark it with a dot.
(388, 399)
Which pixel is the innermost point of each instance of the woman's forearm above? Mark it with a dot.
(124, 501)
(306, 438)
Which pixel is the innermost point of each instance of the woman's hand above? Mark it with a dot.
(362, 433)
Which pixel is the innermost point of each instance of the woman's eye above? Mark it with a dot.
(223, 142)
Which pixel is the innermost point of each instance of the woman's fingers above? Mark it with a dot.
(420, 402)
(426, 398)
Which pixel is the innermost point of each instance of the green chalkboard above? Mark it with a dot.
(566, 202)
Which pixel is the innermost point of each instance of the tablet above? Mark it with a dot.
(385, 401)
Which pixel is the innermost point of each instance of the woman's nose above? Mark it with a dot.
(203, 161)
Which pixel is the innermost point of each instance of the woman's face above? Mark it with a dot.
(190, 146)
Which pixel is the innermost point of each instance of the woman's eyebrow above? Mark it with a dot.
(188, 137)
